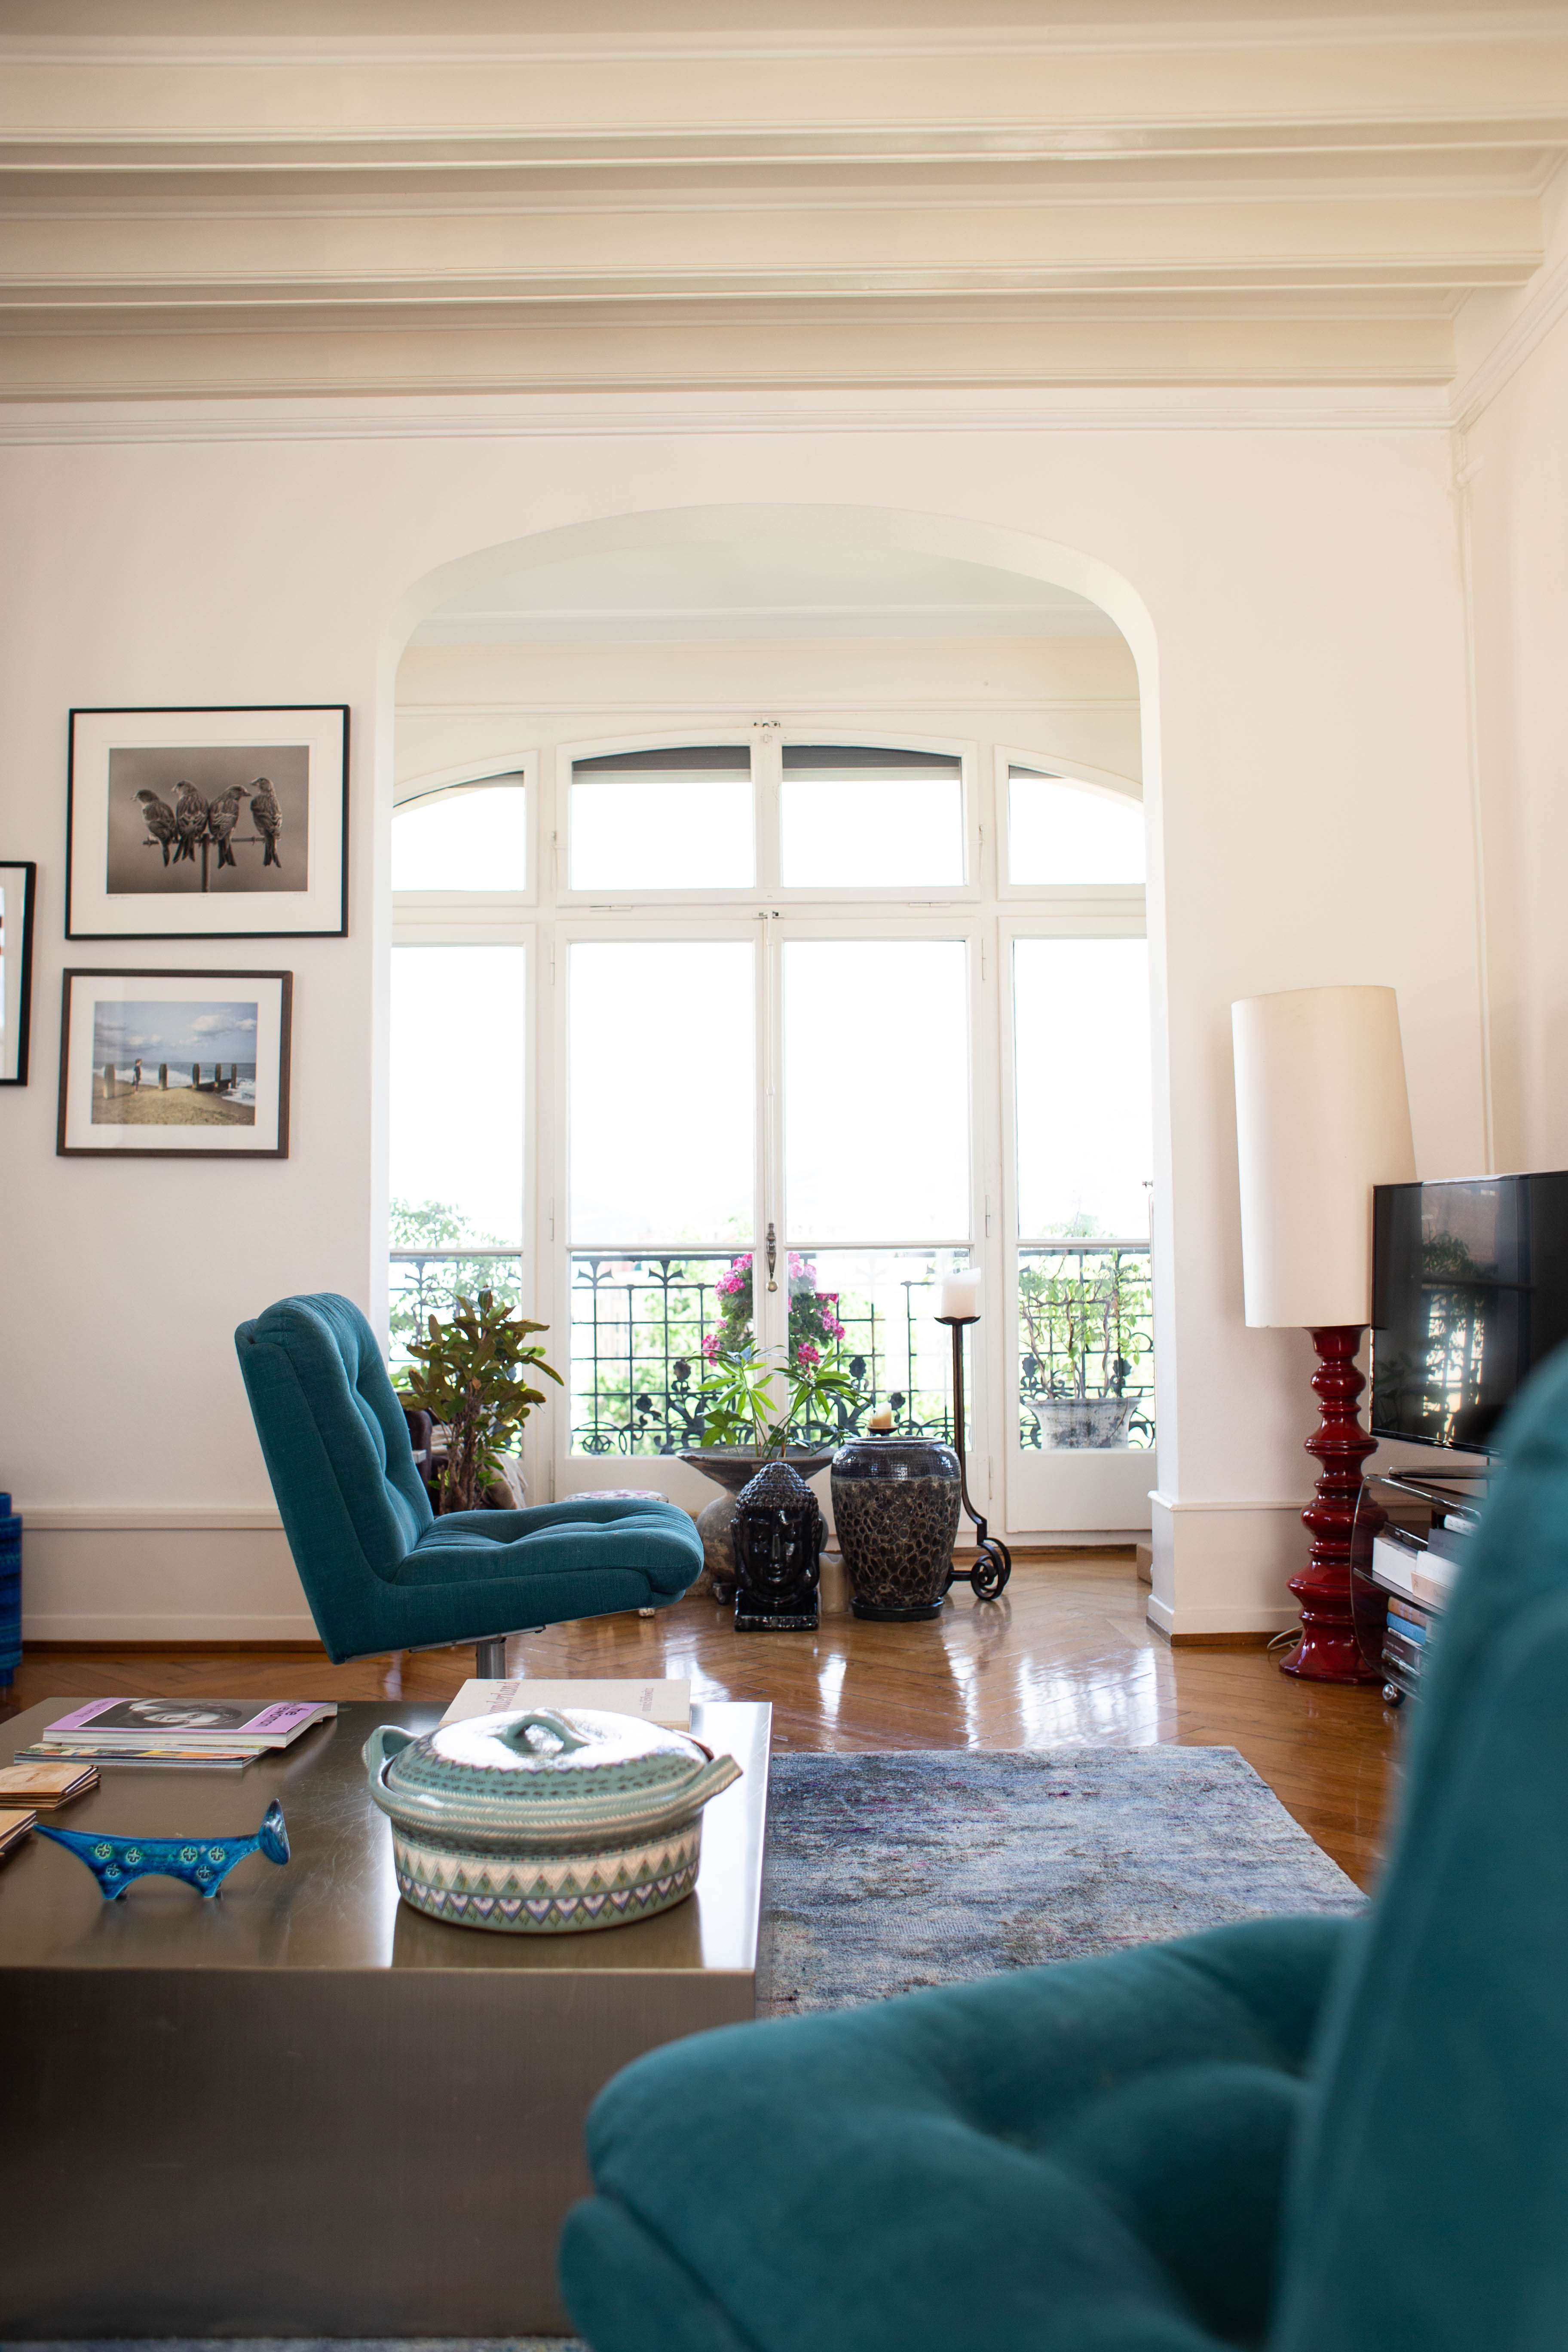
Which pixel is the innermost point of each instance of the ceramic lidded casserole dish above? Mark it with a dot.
(538, 1822)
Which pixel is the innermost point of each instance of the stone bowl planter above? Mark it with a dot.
(732, 1467)
(1082, 1421)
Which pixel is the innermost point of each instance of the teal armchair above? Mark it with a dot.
(1309, 2135)
(379, 1571)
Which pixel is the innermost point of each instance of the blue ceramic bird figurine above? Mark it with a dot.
(202, 1863)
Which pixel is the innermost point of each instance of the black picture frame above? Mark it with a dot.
(91, 907)
(71, 1098)
(19, 1003)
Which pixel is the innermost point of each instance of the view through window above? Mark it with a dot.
(753, 1095)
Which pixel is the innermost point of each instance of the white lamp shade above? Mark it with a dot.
(1321, 1115)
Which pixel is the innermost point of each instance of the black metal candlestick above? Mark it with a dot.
(994, 1565)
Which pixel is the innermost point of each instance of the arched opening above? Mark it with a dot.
(819, 925)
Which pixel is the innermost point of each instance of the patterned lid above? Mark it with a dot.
(543, 1776)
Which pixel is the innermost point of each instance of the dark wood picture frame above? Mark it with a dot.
(75, 930)
(279, 1150)
(27, 868)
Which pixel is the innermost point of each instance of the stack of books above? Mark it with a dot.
(14, 1829)
(182, 1734)
(40, 1785)
(1404, 1636)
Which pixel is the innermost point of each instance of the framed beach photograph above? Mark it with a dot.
(18, 881)
(175, 1065)
(208, 824)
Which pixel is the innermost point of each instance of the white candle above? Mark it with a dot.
(960, 1294)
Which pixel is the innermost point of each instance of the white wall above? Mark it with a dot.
(1293, 598)
(1515, 465)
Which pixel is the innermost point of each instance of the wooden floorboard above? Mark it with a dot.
(1064, 1656)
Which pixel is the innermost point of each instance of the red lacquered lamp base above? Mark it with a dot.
(1328, 1652)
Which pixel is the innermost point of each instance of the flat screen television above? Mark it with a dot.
(1469, 1293)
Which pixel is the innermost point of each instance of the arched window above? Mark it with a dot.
(811, 1023)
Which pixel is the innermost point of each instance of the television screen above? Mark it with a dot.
(1469, 1293)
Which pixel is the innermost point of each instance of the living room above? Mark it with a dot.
(851, 591)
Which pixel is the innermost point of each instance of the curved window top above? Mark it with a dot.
(1061, 831)
(676, 819)
(474, 837)
(862, 816)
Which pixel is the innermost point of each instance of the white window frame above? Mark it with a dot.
(1111, 898)
(988, 913)
(463, 908)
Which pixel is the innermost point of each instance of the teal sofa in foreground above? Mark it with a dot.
(1308, 2134)
(379, 1571)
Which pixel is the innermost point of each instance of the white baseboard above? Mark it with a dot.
(159, 1572)
(1222, 1566)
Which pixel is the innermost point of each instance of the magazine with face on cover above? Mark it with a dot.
(188, 1722)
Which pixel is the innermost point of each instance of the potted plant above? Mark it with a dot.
(473, 1375)
(1079, 1324)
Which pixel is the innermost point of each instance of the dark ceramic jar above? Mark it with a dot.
(895, 1505)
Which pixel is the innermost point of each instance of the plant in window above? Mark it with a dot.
(473, 1375)
(437, 1280)
(741, 1407)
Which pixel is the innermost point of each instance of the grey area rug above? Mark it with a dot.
(894, 1871)
(891, 1871)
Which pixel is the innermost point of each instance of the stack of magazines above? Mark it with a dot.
(209, 1733)
(33, 1785)
(14, 1829)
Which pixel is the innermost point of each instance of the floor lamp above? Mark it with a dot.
(1321, 1115)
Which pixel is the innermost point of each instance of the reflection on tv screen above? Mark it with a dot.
(1469, 1293)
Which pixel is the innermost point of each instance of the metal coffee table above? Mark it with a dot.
(304, 2109)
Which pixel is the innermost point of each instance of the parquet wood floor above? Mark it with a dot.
(1065, 1655)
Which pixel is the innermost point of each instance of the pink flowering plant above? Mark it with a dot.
(739, 1403)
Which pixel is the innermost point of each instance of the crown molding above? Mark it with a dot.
(1350, 30)
(1544, 309)
(477, 417)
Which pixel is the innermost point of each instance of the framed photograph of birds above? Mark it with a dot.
(221, 823)
(175, 1065)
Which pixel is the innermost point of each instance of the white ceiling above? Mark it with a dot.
(759, 585)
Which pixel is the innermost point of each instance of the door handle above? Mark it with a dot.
(773, 1257)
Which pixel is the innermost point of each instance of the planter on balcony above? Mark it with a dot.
(1082, 1422)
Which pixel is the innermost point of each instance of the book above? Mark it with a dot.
(190, 1722)
(1408, 1655)
(1409, 1567)
(14, 1828)
(186, 1759)
(668, 1704)
(1409, 1616)
(1450, 1542)
(41, 1783)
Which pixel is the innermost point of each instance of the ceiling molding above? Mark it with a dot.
(465, 417)
(1267, 32)
(1545, 307)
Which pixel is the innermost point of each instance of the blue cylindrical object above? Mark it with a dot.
(10, 1592)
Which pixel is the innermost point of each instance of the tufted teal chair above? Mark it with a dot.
(1308, 2134)
(379, 1571)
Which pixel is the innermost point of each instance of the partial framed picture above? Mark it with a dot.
(216, 823)
(18, 883)
(175, 1065)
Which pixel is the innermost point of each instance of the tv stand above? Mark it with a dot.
(1408, 1541)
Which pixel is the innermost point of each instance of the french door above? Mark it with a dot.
(769, 1130)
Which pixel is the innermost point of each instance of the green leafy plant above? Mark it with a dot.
(741, 1407)
(1082, 1322)
(473, 1376)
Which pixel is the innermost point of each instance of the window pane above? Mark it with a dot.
(857, 819)
(644, 1331)
(1081, 1014)
(875, 1090)
(676, 820)
(1061, 832)
(885, 1303)
(475, 839)
(457, 1089)
(662, 1046)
